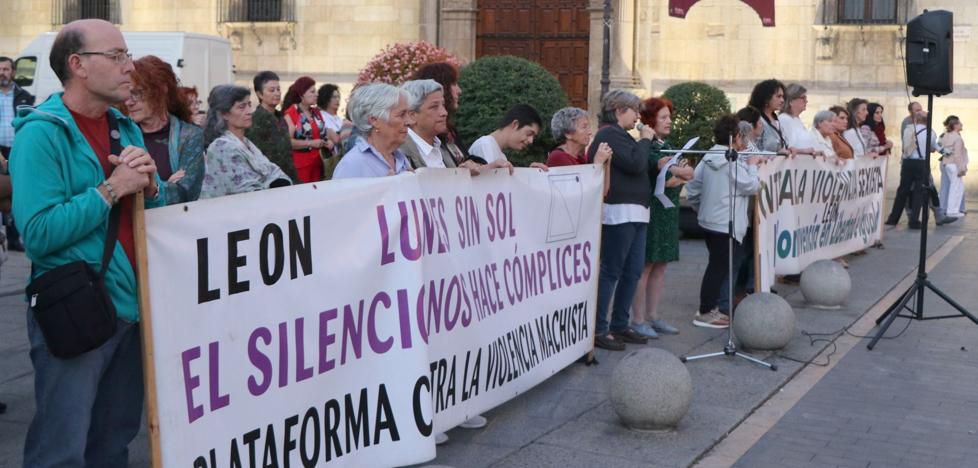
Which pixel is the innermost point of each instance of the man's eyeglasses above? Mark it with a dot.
(120, 57)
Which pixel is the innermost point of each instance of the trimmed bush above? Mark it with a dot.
(491, 85)
(697, 106)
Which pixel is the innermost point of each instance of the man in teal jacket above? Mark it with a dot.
(65, 183)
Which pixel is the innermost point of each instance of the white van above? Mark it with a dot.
(198, 60)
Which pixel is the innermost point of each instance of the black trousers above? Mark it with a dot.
(715, 276)
(914, 175)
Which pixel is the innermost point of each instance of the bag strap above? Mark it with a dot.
(112, 234)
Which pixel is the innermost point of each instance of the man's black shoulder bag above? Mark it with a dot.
(71, 303)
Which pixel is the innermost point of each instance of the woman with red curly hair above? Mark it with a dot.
(158, 106)
(307, 128)
(662, 243)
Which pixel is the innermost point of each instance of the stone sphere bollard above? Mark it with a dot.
(825, 284)
(651, 390)
(764, 321)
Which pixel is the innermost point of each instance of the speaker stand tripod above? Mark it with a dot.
(916, 291)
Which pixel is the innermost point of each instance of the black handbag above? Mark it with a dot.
(71, 304)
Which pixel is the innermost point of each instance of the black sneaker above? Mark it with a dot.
(609, 342)
(630, 336)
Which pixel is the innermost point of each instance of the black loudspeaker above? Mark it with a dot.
(930, 53)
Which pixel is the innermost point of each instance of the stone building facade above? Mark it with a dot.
(721, 42)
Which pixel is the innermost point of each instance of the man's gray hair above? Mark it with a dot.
(418, 91)
(616, 100)
(791, 92)
(373, 100)
(564, 122)
(822, 116)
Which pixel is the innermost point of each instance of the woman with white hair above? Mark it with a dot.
(233, 164)
(823, 128)
(379, 112)
(429, 118)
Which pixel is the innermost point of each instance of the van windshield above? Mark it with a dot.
(26, 67)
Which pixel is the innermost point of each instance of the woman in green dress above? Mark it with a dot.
(662, 245)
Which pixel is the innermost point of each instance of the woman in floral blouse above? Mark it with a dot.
(234, 164)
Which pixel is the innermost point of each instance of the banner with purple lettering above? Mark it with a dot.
(809, 209)
(345, 323)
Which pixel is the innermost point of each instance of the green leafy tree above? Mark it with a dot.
(696, 107)
(491, 85)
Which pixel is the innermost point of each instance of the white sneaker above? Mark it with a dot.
(713, 319)
(475, 422)
(441, 438)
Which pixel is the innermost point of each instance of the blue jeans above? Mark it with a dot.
(622, 260)
(88, 407)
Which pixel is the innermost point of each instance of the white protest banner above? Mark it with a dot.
(809, 210)
(344, 323)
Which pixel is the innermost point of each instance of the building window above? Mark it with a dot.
(868, 11)
(865, 12)
(66, 11)
(256, 11)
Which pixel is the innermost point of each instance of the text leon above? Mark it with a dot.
(276, 245)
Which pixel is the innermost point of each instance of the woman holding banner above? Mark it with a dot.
(767, 97)
(796, 136)
(841, 146)
(662, 241)
(862, 139)
(380, 114)
(234, 164)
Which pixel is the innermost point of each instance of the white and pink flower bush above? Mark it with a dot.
(397, 62)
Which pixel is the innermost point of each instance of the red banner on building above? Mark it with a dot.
(764, 9)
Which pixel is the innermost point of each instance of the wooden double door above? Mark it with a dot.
(553, 33)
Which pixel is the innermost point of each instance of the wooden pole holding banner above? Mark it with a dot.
(589, 357)
(146, 331)
(756, 224)
(883, 210)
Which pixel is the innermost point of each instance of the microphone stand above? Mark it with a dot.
(730, 349)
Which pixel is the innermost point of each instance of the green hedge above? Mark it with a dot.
(491, 85)
(697, 106)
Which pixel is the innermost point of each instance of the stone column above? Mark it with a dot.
(428, 21)
(458, 28)
(623, 58)
(623, 73)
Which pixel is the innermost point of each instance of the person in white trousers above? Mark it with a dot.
(954, 166)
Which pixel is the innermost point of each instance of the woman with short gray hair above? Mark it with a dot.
(625, 216)
(797, 137)
(233, 164)
(823, 128)
(379, 113)
(572, 132)
(429, 118)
